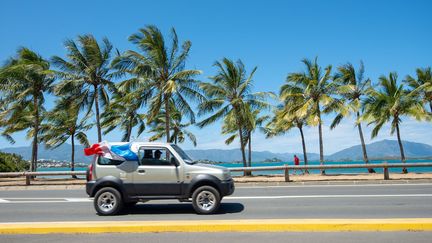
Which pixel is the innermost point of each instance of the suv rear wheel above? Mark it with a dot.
(108, 201)
(206, 200)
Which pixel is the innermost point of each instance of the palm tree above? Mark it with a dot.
(256, 121)
(316, 89)
(353, 88)
(86, 73)
(391, 103)
(26, 79)
(3, 122)
(284, 119)
(253, 120)
(123, 111)
(159, 74)
(179, 131)
(6, 136)
(422, 85)
(230, 93)
(62, 124)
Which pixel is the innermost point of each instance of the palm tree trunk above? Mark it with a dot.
(365, 157)
(304, 148)
(96, 100)
(33, 165)
(242, 144)
(404, 170)
(34, 156)
(320, 138)
(73, 154)
(129, 129)
(167, 120)
(246, 173)
(250, 149)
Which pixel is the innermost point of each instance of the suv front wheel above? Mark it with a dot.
(206, 200)
(108, 201)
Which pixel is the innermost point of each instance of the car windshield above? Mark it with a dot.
(182, 154)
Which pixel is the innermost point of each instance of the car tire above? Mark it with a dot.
(107, 201)
(206, 200)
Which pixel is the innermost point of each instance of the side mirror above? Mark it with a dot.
(174, 162)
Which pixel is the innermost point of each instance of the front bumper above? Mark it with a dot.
(89, 188)
(227, 187)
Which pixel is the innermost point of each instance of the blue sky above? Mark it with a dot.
(273, 35)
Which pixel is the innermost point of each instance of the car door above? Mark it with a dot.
(156, 175)
(120, 169)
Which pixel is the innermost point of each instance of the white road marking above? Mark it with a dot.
(34, 198)
(43, 200)
(343, 185)
(77, 200)
(329, 196)
(17, 202)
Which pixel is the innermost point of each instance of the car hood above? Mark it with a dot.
(206, 166)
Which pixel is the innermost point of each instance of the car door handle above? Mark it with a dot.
(141, 171)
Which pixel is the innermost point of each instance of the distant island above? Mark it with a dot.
(46, 163)
(273, 160)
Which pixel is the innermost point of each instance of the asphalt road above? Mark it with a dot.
(248, 202)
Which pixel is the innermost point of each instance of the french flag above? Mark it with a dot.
(94, 149)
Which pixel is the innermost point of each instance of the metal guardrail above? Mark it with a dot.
(29, 174)
(42, 173)
(285, 168)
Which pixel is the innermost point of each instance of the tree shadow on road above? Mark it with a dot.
(179, 208)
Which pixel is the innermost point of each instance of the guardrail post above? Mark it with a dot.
(27, 180)
(287, 179)
(386, 172)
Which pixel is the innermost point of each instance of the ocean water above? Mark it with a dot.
(337, 171)
(329, 171)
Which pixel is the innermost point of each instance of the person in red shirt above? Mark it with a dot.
(296, 163)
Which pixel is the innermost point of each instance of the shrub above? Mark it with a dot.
(12, 163)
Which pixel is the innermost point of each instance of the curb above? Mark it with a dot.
(255, 225)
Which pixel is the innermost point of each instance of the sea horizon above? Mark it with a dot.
(313, 171)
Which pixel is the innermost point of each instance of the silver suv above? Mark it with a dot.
(162, 171)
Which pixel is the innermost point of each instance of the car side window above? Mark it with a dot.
(106, 161)
(154, 156)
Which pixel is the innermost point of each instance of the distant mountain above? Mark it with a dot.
(384, 149)
(380, 149)
(222, 155)
(62, 153)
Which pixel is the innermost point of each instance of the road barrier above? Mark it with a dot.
(286, 168)
(28, 174)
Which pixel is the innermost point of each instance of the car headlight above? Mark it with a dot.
(227, 175)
